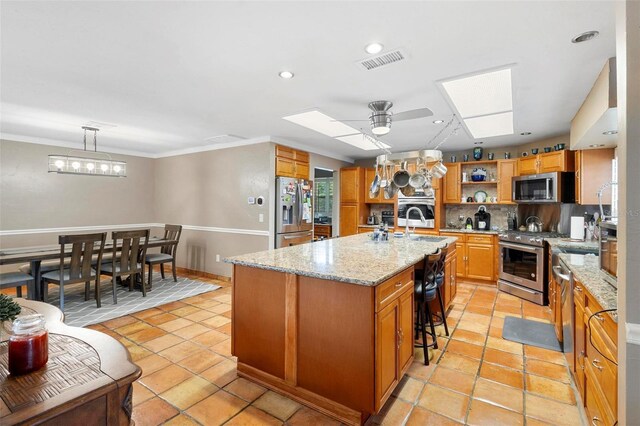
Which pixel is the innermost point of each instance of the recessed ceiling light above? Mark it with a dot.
(478, 143)
(525, 133)
(373, 48)
(589, 35)
(362, 141)
(322, 123)
(438, 121)
(286, 74)
(610, 132)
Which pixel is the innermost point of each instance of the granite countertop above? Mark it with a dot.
(355, 259)
(569, 243)
(469, 231)
(586, 269)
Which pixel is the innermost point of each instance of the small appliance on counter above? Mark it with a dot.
(577, 228)
(512, 221)
(482, 219)
(372, 220)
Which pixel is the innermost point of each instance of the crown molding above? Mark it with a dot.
(213, 147)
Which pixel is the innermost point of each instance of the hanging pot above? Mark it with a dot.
(418, 179)
(374, 189)
(438, 170)
(401, 177)
(408, 191)
(385, 176)
(390, 191)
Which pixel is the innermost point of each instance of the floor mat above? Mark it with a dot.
(531, 332)
(80, 313)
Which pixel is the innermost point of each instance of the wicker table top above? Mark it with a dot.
(81, 362)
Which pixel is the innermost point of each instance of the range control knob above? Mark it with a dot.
(503, 235)
(538, 240)
(518, 237)
(532, 240)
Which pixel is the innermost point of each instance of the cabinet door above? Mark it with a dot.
(461, 249)
(593, 169)
(446, 293)
(348, 219)
(301, 170)
(406, 330)
(506, 170)
(285, 167)
(452, 189)
(453, 277)
(301, 156)
(387, 352)
(285, 152)
(349, 185)
(555, 162)
(528, 165)
(480, 261)
(579, 346)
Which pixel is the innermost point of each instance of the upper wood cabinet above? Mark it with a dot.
(451, 183)
(506, 170)
(351, 184)
(369, 175)
(593, 169)
(557, 161)
(291, 162)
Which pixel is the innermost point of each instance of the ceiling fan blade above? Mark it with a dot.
(412, 114)
(348, 120)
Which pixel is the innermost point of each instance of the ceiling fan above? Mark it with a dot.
(381, 118)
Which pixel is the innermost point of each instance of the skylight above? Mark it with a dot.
(322, 123)
(484, 102)
(362, 141)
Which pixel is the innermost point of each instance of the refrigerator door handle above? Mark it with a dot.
(294, 237)
(300, 206)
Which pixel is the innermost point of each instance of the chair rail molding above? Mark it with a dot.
(256, 232)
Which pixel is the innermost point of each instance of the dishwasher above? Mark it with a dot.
(564, 278)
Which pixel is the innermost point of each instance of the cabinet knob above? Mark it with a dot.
(596, 364)
(599, 318)
(399, 284)
(595, 420)
(579, 289)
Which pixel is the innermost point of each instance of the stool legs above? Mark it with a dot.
(444, 314)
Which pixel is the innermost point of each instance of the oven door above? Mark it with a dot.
(425, 206)
(523, 265)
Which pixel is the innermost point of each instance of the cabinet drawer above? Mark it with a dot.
(389, 290)
(604, 372)
(482, 239)
(462, 237)
(606, 324)
(599, 413)
(578, 294)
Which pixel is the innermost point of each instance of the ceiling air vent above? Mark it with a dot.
(382, 60)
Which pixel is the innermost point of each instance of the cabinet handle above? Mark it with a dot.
(595, 420)
(599, 318)
(399, 284)
(596, 364)
(399, 334)
(579, 289)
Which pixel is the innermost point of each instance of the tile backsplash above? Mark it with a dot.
(498, 214)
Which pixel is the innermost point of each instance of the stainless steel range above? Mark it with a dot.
(522, 267)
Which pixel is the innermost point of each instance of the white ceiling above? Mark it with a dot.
(170, 74)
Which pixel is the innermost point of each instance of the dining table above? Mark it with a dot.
(35, 255)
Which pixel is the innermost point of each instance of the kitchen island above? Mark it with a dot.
(330, 323)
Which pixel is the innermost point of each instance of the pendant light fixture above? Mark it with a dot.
(87, 166)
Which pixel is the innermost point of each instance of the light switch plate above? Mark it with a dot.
(251, 200)
(261, 218)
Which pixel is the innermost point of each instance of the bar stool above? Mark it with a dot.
(441, 318)
(426, 290)
(17, 280)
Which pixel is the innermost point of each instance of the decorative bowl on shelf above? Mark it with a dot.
(480, 196)
(479, 175)
(478, 178)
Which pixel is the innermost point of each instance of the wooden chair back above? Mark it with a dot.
(171, 232)
(133, 248)
(431, 265)
(82, 249)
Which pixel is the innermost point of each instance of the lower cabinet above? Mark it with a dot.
(349, 219)
(450, 270)
(476, 254)
(394, 337)
(596, 357)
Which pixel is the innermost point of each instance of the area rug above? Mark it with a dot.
(80, 313)
(531, 332)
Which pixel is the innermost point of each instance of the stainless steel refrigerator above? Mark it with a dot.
(294, 211)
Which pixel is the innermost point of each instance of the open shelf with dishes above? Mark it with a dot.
(482, 182)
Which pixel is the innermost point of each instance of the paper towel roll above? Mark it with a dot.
(577, 228)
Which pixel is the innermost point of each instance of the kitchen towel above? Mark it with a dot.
(577, 228)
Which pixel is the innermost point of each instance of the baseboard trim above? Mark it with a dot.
(203, 274)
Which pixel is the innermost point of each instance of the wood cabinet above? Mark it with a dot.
(451, 184)
(394, 336)
(506, 170)
(596, 357)
(291, 162)
(557, 161)
(351, 184)
(593, 169)
(349, 214)
(352, 207)
(450, 279)
(369, 175)
(324, 231)
(476, 255)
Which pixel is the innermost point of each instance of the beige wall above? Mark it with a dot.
(628, 70)
(210, 190)
(317, 160)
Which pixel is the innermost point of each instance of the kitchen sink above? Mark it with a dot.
(577, 250)
(427, 238)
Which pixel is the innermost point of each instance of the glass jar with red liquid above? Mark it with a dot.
(28, 345)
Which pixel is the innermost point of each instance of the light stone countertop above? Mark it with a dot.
(566, 242)
(355, 259)
(586, 269)
(469, 231)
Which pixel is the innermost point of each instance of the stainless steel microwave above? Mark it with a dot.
(608, 253)
(556, 187)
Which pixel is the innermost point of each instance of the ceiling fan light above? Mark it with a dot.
(380, 130)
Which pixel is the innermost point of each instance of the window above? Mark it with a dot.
(323, 197)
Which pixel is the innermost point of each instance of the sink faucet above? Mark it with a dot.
(422, 219)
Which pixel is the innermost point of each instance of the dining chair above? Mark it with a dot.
(132, 248)
(79, 268)
(15, 280)
(167, 253)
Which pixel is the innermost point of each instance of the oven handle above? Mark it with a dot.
(521, 247)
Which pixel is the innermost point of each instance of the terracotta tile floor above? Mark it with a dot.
(476, 377)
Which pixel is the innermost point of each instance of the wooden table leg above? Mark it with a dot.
(33, 291)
